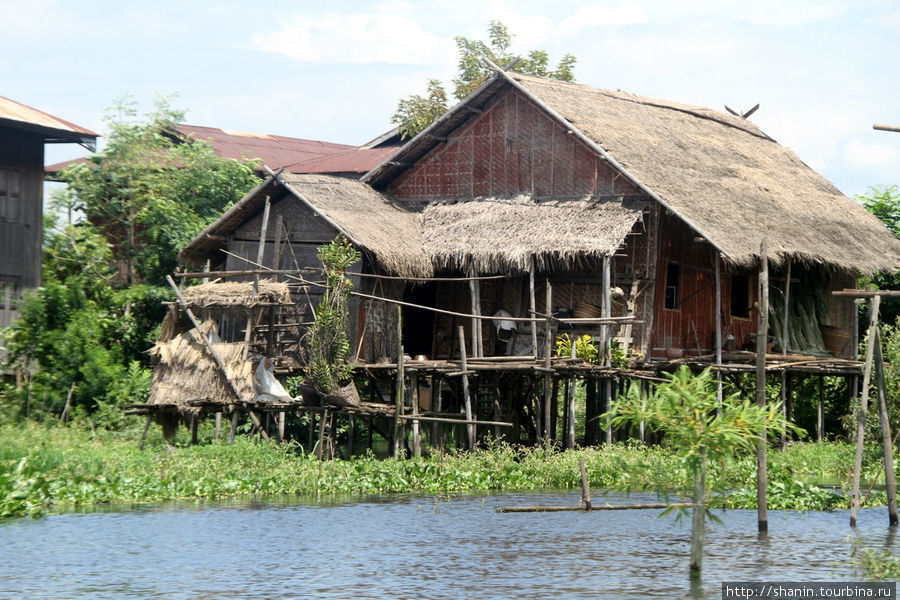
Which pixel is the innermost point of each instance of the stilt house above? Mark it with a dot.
(626, 205)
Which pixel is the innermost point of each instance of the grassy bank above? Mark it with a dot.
(43, 468)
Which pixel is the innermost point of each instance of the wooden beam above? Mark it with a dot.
(866, 293)
(890, 483)
(883, 127)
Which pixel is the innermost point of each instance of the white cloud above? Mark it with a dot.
(890, 20)
(389, 35)
(628, 13)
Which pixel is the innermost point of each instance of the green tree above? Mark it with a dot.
(685, 409)
(883, 201)
(148, 192)
(416, 112)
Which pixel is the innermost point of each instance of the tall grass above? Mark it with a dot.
(43, 467)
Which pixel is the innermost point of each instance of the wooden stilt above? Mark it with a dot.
(311, 433)
(436, 437)
(886, 443)
(718, 313)
(467, 400)
(320, 450)
(351, 434)
(548, 350)
(417, 437)
(532, 309)
(282, 417)
(570, 408)
(607, 387)
(863, 406)
(146, 429)
(762, 507)
(820, 411)
(591, 413)
(193, 429)
(218, 425)
(233, 430)
(398, 392)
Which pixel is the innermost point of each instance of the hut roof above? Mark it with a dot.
(721, 174)
(368, 218)
(234, 293)
(499, 234)
(52, 129)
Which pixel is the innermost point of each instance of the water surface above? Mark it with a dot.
(413, 547)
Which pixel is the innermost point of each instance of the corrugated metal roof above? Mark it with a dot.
(275, 151)
(53, 128)
(356, 160)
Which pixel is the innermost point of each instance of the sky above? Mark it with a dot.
(823, 71)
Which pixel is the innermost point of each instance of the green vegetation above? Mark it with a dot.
(49, 468)
(327, 341)
(416, 112)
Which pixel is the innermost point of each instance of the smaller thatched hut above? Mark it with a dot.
(184, 371)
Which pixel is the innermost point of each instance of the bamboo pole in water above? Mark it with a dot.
(863, 406)
(887, 446)
(398, 395)
(585, 486)
(548, 348)
(530, 509)
(762, 508)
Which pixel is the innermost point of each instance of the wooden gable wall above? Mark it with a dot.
(512, 147)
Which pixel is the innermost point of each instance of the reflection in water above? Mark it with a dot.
(412, 547)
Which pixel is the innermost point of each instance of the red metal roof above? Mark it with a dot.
(355, 160)
(275, 151)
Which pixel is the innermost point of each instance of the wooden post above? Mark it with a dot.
(282, 417)
(146, 429)
(886, 442)
(213, 354)
(718, 311)
(398, 393)
(785, 399)
(436, 441)
(260, 251)
(548, 349)
(533, 309)
(607, 388)
(820, 412)
(473, 296)
(233, 429)
(218, 425)
(570, 409)
(591, 412)
(311, 433)
(320, 451)
(276, 250)
(585, 487)
(605, 310)
(467, 400)
(192, 427)
(863, 406)
(351, 433)
(698, 520)
(762, 328)
(417, 436)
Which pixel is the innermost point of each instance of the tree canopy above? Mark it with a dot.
(148, 192)
(417, 112)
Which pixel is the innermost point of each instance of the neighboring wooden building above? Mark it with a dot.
(531, 174)
(23, 133)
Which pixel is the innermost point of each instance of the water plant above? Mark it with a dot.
(685, 408)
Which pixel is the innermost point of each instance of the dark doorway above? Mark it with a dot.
(418, 324)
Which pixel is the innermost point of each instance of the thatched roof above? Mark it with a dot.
(368, 218)
(234, 294)
(499, 234)
(721, 174)
(185, 371)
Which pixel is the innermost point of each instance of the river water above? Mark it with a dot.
(430, 547)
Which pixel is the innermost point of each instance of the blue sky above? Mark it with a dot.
(823, 71)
